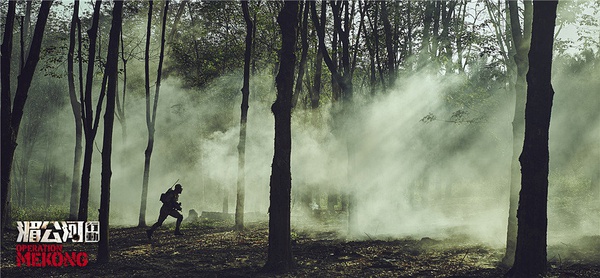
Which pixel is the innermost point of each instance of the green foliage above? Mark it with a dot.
(41, 213)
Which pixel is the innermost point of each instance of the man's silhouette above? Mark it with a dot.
(170, 207)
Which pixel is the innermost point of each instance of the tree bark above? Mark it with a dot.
(8, 142)
(76, 108)
(303, 55)
(151, 114)
(13, 113)
(319, 26)
(280, 249)
(87, 116)
(521, 40)
(120, 102)
(109, 117)
(241, 181)
(150, 143)
(387, 28)
(530, 254)
(317, 85)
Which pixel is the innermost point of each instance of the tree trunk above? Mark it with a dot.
(317, 85)
(12, 114)
(109, 117)
(521, 42)
(150, 143)
(120, 102)
(87, 117)
(303, 55)
(240, 197)
(427, 20)
(151, 114)
(280, 248)
(25, 22)
(530, 255)
(76, 108)
(387, 28)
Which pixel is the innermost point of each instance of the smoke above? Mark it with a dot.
(429, 157)
(414, 165)
(435, 178)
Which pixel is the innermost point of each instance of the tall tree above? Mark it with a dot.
(151, 114)
(530, 254)
(303, 55)
(12, 111)
(521, 41)
(315, 93)
(391, 54)
(76, 108)
(344, 80)
(7, 133)
(280, 247)
(239, 206)
(109, 118)
(90, 123)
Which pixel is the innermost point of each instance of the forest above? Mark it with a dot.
(324, 138)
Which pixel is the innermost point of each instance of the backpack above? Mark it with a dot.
(165, 197)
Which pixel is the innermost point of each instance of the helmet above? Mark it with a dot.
(178, 187)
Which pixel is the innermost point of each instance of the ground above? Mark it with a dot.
(212, 249)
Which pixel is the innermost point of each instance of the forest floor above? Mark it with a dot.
(212, 249)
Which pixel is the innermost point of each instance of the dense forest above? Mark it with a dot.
(308, 125)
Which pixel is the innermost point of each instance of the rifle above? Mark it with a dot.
(174, 184)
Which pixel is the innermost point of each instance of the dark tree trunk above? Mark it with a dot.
(76, 108)
(120, 101)
(446, 47)
(241, 181)
(530, 255)
(109, 117)
(88, 118)
(387, 28)
(427, 20)
(375, 28)
(8, 142)
(435, 39)
(151, 114)
(303, 55)
(280, 248)
(341, 80)
(8, 138)
(521, 40)
(12, 113)
(409, 28)
(150, 144)
(317, 85)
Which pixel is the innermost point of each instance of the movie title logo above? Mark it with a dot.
(58, 231)
(55, 233)
(48, 255)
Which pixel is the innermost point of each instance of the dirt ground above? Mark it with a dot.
(214, 250)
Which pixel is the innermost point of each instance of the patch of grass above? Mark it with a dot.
(40, 213)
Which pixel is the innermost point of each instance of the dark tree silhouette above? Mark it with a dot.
(240, 197)
(280, 248)
(391, 54)
(303, 55)
(12, 111)
(151, 114)
(89, 125)
(530, 255)
(109, 118)
(521, 41)
(76, 108)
